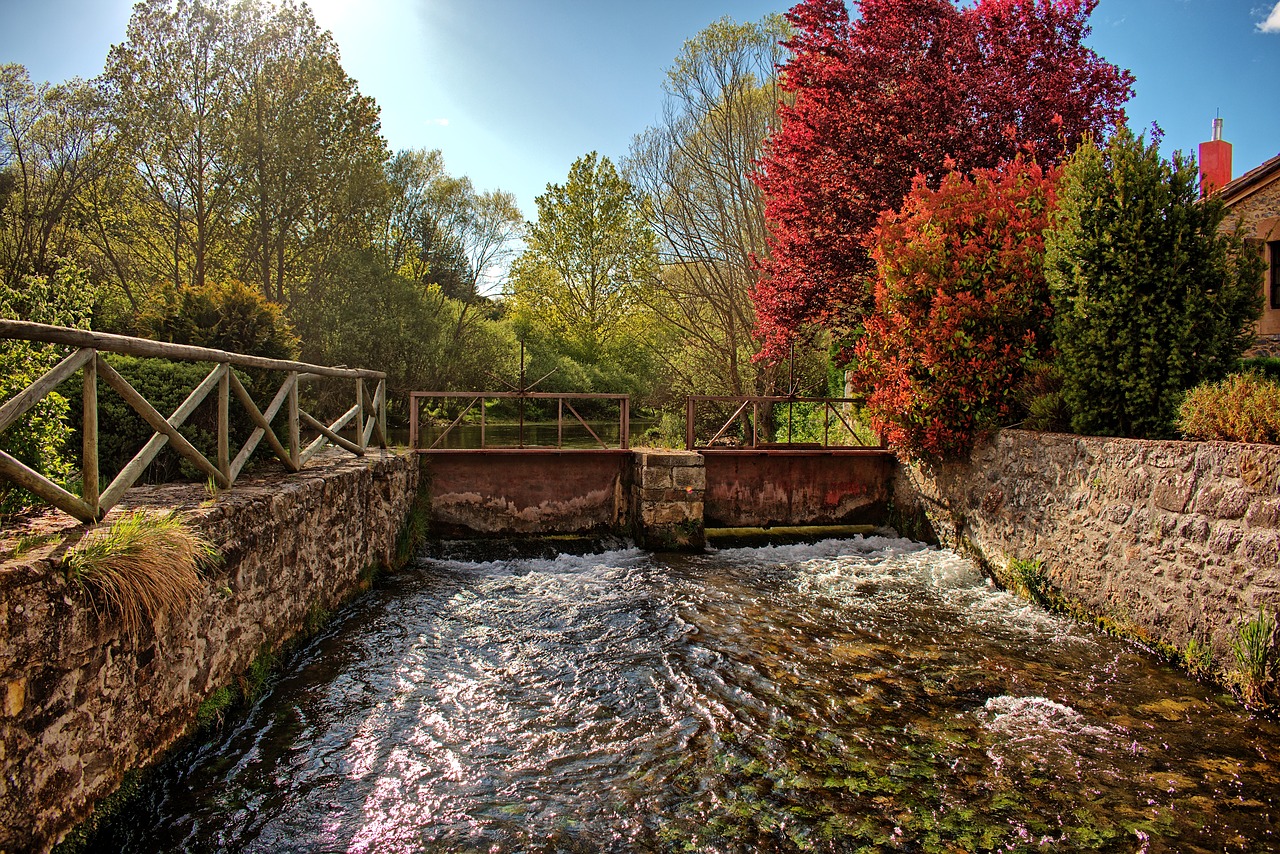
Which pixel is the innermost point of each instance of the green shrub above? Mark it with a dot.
(38, 438)
(1241, 408)
(1150, 298)
(227, 315)
(1268, 366)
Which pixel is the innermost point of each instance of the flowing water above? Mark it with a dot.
(850, 695)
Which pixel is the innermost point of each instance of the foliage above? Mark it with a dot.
(255, 153)
(51, 148)
(141, 566)
(1150, 297)
(359, 313)
(722, 97)
(1266, 366)
(1197, 658)
(1254, 654)
(588, 257)
(37, 438)
(961, 308)
(906, 89)
(226, 315)
(1241, 408)
(439, 230)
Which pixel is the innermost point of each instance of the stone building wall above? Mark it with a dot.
(82, 704)
(1259, 214)
(1165, 540)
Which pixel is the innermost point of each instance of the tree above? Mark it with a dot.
(52, 145)
(722, 98)
(961, 308)
(1150, 297)
(589, 255)
(306, 148)
(910, 87)
(170, 85)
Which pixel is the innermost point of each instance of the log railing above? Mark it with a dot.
(368, 414)
(754, 423)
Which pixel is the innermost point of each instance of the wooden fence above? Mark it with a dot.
(91, 505)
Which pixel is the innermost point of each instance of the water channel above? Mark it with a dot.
(849, 695)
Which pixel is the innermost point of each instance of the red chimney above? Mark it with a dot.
(1215, 162)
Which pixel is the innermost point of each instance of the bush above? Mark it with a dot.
(1242, 408)
(1268, 366)
(226, 315)
(1150, 298)
(961, 308)
(38, 438)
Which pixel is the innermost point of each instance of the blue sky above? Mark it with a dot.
(512, 91)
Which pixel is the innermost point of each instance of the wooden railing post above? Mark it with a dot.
(295, 424)
(224, 423)
(624, 429)
(360, 443)
(89, 467)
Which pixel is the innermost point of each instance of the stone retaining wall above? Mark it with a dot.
(82, 704)
(1166, 540)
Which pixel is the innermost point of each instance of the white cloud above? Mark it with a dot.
(1272, 23)
(444, 123)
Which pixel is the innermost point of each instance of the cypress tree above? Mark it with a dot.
(1151, 297)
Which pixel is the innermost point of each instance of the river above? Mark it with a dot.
(849, 695)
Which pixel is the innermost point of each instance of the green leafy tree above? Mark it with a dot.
(722, 99)
(588, 258)
(1151, 296)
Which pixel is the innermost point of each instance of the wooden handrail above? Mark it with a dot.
(93, 504)
(43, 333)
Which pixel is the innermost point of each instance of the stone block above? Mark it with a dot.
(1264, 514)
(656, 477)
(686, 477)
(1171, 492)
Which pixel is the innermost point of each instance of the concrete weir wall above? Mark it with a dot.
(83, 704)
(1165, 540)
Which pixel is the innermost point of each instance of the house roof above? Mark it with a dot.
(1254, 179)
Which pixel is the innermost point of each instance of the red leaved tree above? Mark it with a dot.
(912, 87)
(960, 307)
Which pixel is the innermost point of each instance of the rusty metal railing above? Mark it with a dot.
(479, 398)
(92, 504)
(744, 429)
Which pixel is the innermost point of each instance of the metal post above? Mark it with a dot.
(624, 428)
(688, 423)
(89, 469)
(413, 421)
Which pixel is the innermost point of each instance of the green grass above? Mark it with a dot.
(1253, 651)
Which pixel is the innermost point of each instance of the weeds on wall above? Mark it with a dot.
(1242, 408)
(1254, 653)
(140, 566)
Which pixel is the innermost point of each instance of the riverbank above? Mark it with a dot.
(1174, 544)
(84, 703)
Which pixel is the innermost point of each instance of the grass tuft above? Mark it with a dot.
(140, 566)
(1253, 654)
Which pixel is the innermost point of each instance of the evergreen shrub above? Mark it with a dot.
(1150, 297)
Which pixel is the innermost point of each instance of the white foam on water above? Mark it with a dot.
(1036, 718)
